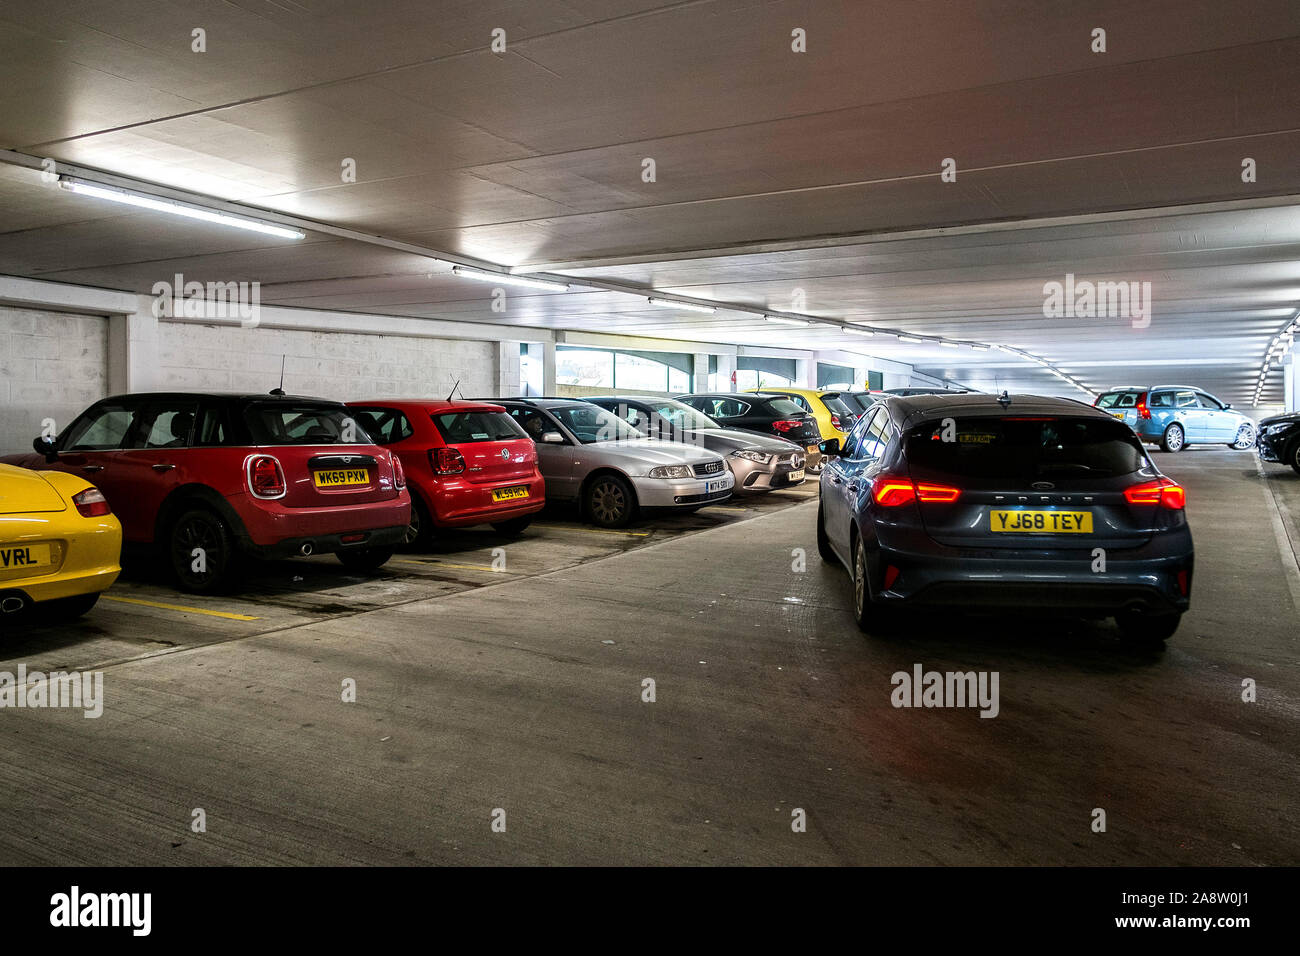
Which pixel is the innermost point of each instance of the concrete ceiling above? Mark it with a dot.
(775, 171)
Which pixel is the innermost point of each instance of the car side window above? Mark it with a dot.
(166, 425)
(1127, 400)
(533, 422)
(104, 428)
(1186, 400)
(1209, 401)
(854, 442)
(726, 408)
(877, 436)
(1162, 399)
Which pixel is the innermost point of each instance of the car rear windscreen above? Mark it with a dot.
(303, 423)
(460, 428)
(785, 407)
(1124, 398)
(837, 405)
(1025, 449)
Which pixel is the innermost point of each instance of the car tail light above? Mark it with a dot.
(785, 426)
(1184, 583)
(835, 423)
(1162, 491)
(1142, 410)
(265, 479)
(891, 492)
(399, 476)
(446, 461)
(91, 503)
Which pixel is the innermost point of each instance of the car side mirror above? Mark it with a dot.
(1227, 404)
(830, 447)
(47, 447)
(553, 438)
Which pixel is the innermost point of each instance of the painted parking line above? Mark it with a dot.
(560, 527)
(179, 607)
(461, 567)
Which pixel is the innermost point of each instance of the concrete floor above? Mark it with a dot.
(522, 690)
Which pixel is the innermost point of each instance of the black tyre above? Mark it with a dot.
(861, 588)
(515, 526)
(364, 560)
(1293, 456)
(201, 551)
(1174, 439)
(419, 531)
(823, 540)
(68, 609)
(609, 502)
(1147, 629)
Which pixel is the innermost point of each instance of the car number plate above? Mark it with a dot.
(25, 556)
(1119, 415)
(508, 494)
(814, 450)
(341, 477)
(711, 486)
(796, 475)
(1041, 522)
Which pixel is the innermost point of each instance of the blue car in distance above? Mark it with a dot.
(1175, 416)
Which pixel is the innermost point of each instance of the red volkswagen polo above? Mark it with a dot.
(467, 463)
(205, 477)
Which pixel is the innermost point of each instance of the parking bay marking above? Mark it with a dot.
(560, 527)
(180, 607)
(462, 567)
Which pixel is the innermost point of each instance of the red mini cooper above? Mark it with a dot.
(467, 463)
(207, 476)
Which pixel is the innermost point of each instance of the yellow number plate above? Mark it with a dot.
(25, 556)
(506, 494)
(1041, 522)
(341, 477)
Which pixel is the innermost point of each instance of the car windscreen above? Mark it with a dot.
(837, 405)
(1127, 398)
(683, 416)
(591, 424)
(304, 423)
(461, 428)
(1025, 448)
(785, 408)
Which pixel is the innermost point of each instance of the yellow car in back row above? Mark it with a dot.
(835, 417)
(59, 542)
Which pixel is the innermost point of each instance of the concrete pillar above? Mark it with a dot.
(133, 356)
(700, 373)
(726, 368)
(805, 373)
(1290, 386)
(507, 372)
(548, 368)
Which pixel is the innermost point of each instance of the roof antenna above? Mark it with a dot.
(1004, 399)
(280, 390)
(453, 391)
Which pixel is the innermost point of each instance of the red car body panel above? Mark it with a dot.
(464, 499)
(139, 483)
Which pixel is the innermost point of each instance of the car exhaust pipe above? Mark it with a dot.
(306, 549)
(12, 605)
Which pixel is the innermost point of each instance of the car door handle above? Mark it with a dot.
(92, 468)
(835, 480)
(162, 466)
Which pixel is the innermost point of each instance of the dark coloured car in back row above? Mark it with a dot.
(971, 502)
(1279, 439)
(765, 414)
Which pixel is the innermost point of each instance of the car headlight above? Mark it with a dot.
(1278, 428)
(672, 471)
(748, 455)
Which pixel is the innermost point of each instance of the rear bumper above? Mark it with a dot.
(1149, 579)
(272, 530)
(88, 553)
(330, 543)
(458, 503)
(683, 492)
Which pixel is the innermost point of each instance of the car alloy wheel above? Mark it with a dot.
(1174, 438)
(861, 593)
(1294, 455)
(609, 502)
(1245, 438)
(200, 550)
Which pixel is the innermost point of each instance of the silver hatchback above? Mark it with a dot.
(593, 457)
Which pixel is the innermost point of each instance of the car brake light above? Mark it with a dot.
(1142, 410)
(91, 503)
(446, 461)
(835, 423)
(265, 479)
(785, 426)
(892, 492)
(1162, 491)
(399, 476)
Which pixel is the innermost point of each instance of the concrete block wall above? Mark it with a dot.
(326, 364)
(52, 365)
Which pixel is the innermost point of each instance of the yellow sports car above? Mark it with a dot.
(59, 542)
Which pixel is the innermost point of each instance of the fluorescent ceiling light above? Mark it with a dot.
(503, 279)
(909, 338)
(688, 306)
(855, 330)
(782, 320)
(949, 345)
(142, 201)
(979, 348)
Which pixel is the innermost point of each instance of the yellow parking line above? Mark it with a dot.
(180, 607)
(463, 567)
(561, 527)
